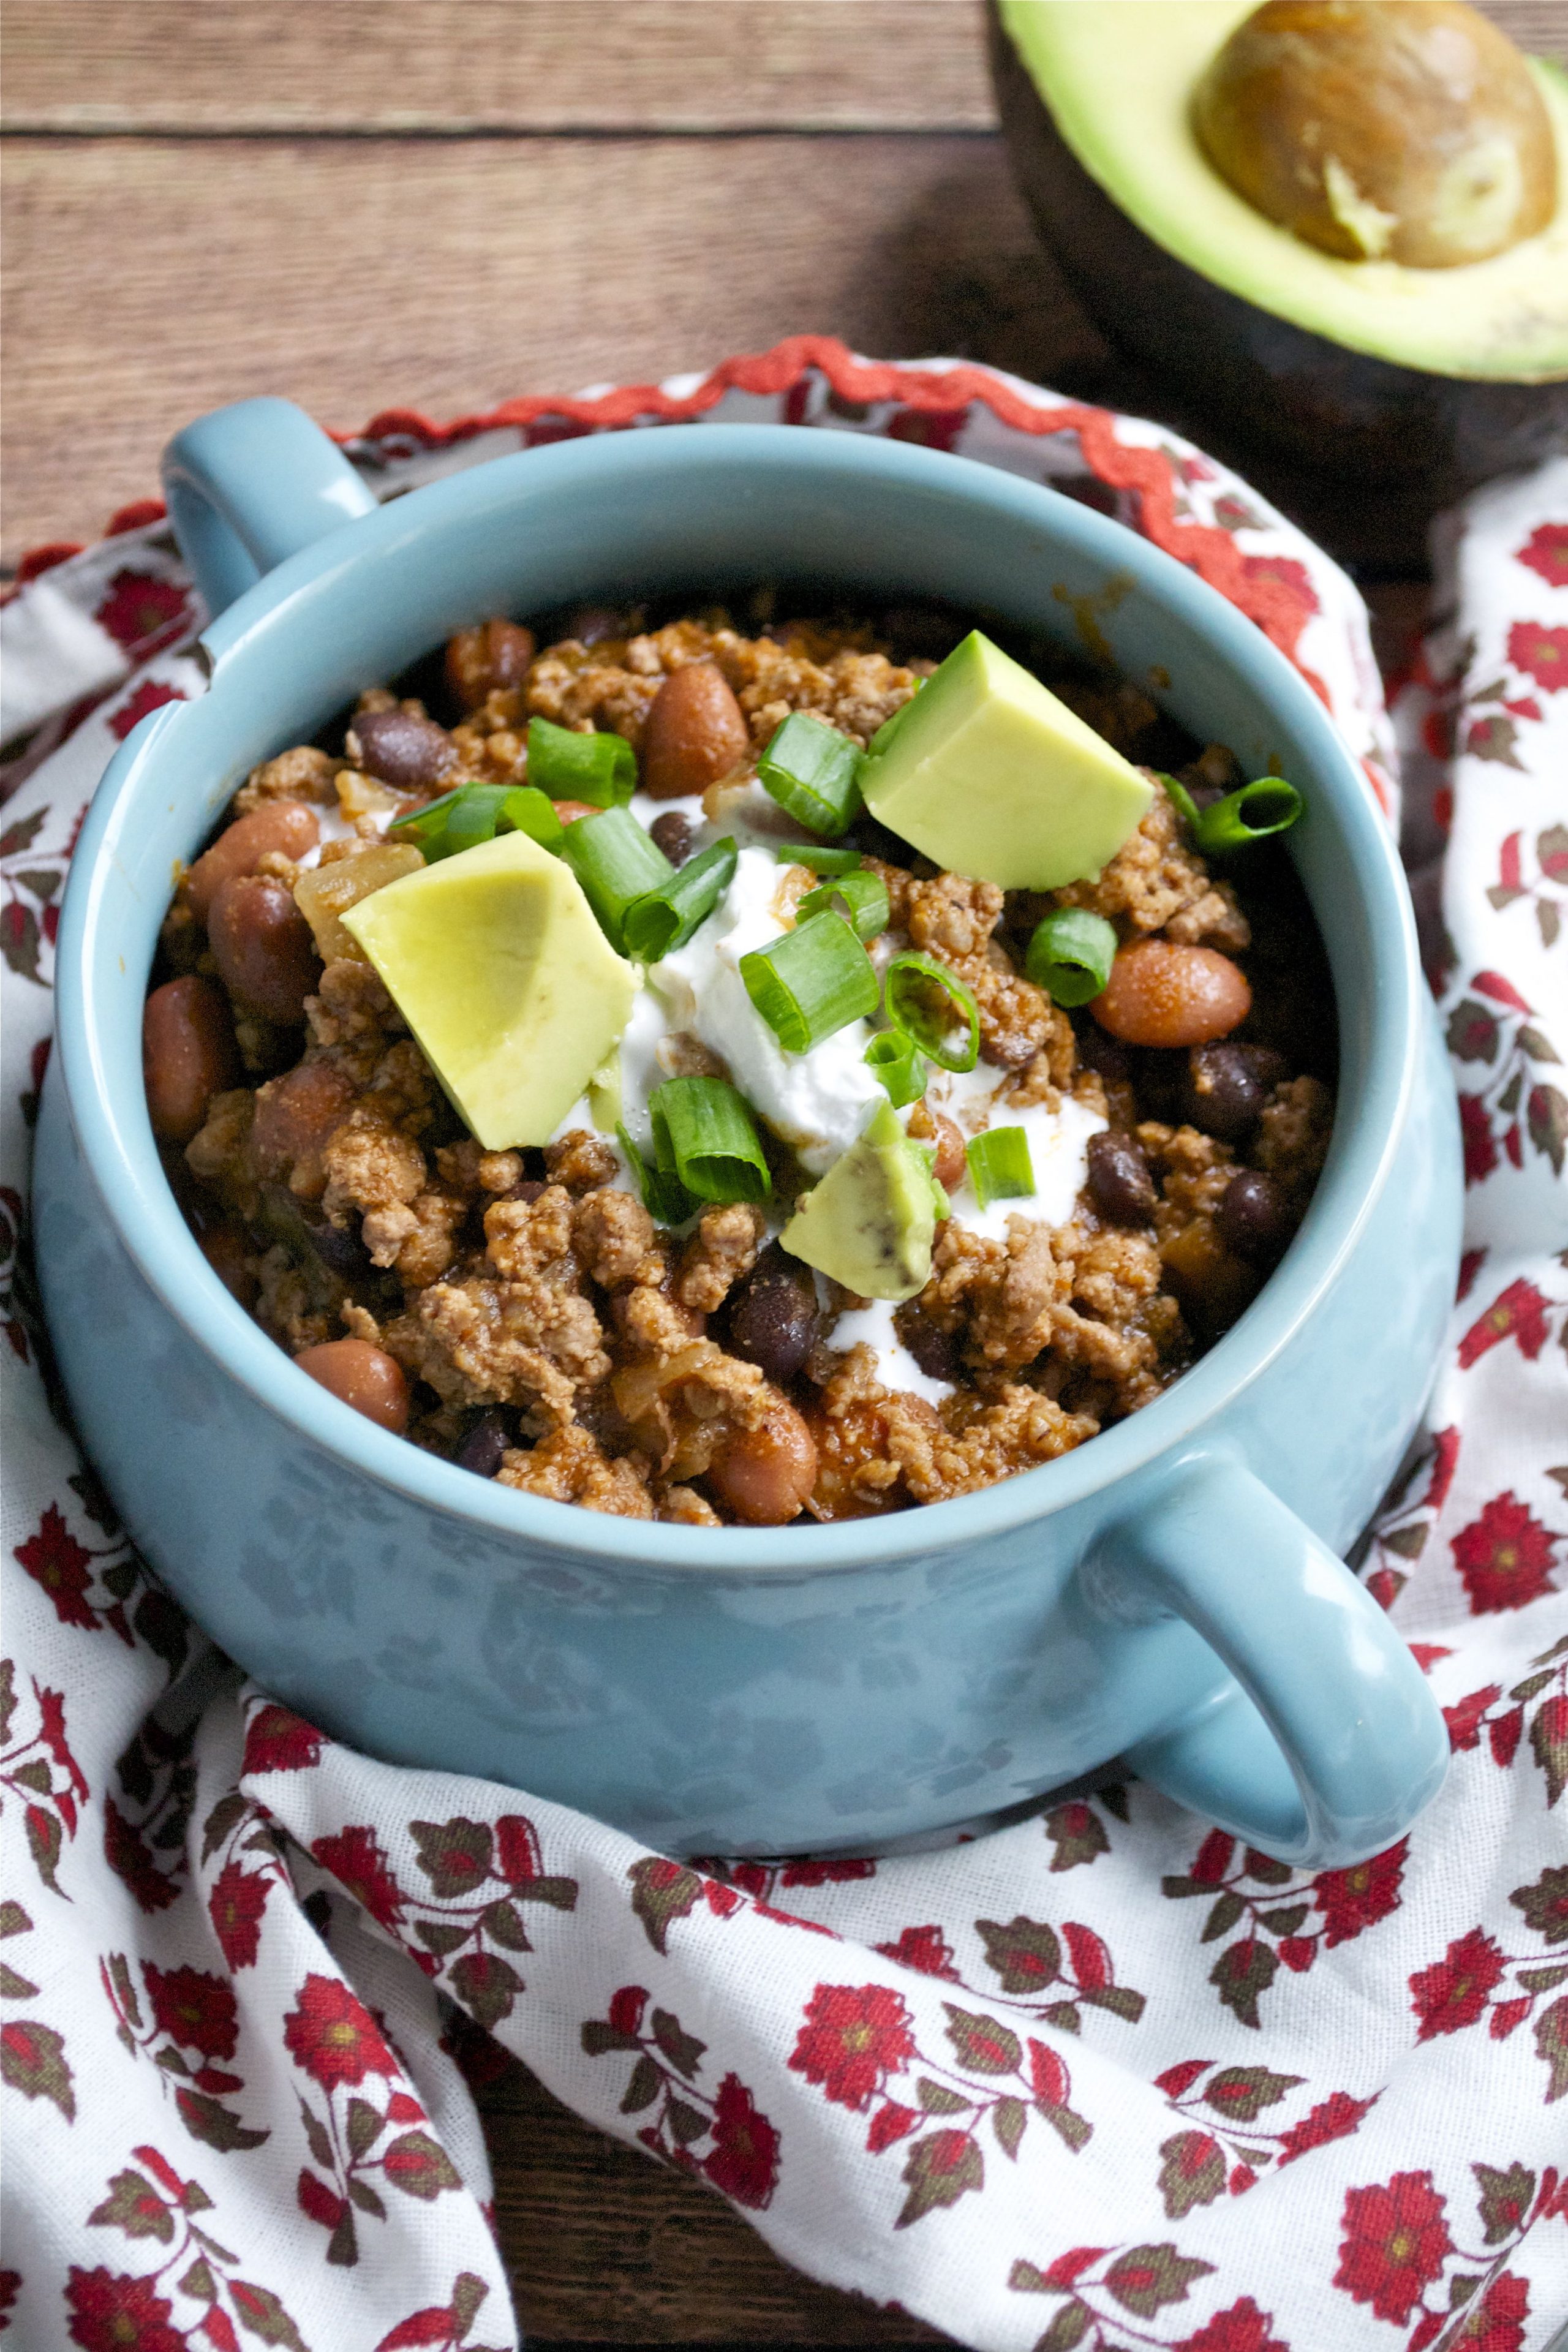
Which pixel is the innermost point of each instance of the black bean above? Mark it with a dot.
(1252, 1218)
(1118, 1179)
(402, 750)
(1227, 1086)
(674, 833)
(936, 1352)
(340, 1248)
(773, 1318)
(482, 1450)
(1098, 1050)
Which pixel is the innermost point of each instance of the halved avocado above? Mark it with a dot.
(1366, 367)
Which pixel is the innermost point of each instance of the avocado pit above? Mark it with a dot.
(1412, 134)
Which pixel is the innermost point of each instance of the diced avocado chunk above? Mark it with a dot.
(494, 960)
(988, 774)
(870, 1222)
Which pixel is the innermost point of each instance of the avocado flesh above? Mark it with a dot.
(494, 960)
(1117, 83)
(989, 775)
(870, 1223)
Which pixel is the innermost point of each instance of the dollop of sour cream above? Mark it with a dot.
(872, 1326)
(816, 1102)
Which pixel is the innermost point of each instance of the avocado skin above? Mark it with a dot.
(1272, 384)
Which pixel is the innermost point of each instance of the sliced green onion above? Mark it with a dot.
(811, 982)
(425, 825)
(662, 920)
(599, 769)
(664, 1196)
(900, 1064)
(528, 810)
(1070, 955)
(1268, 805)
(704, 1132)
(909, 981)
(817, 856)
(470, 813)
(862, 897)
(1000, 1168)
(617, 863)
(810, 770)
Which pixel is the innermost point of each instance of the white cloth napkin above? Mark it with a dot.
(1103, 2079)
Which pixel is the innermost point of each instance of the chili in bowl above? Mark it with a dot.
(616, 1280)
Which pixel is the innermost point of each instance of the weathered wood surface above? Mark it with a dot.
(451, 65)
(147, 280)
(327, 66)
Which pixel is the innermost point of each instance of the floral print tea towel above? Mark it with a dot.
(1099, 2082)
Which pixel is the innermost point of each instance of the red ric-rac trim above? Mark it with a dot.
(1147, 474)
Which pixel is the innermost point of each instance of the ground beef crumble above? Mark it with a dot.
(528, 1285)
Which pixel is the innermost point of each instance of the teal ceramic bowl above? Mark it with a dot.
(1170, 1594)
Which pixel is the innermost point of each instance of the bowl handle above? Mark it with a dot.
(1333, 1743)
(247, 485)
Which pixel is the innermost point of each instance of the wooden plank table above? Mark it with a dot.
(440, 204)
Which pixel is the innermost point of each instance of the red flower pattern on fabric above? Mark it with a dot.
(139, 605)
(1546, 552)
(333, 2037)
(194, 2009)
(1452, 1993)
(279, 1740)
(355, 1858)
(236, 1905)
(1542, 654)
(1242, 2328)
(1497, 2322)
(62, 1567)
(924, 1950)
(743, 2161)
(853, 2037)
(1354, 1898)
(112, 2313)
(151, 695)
(1505, 1557)
(1475, 1132)
(1396, 2243)
(1358, 1897)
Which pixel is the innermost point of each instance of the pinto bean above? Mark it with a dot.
(187, 1054)
(365, 1377)
(287, 826)
(764, 1475)
(952, 1160)
(294, 1116)
(481, 661)
(570, 811)
(695, 732)
(405, 751)
(1161, 993)
(263, 947)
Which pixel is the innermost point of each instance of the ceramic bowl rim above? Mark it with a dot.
(155, 1235)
